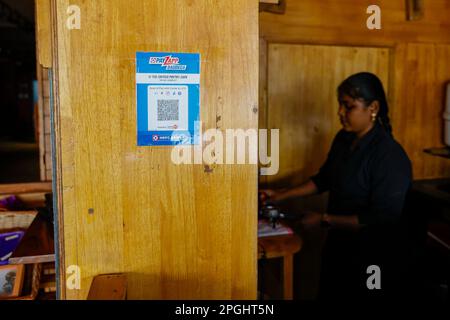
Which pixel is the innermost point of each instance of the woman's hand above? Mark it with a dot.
(270, 194)
(311, 219)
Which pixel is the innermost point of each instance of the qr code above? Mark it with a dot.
(168, 110)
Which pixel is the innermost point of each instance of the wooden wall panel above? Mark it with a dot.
(43, 33)
(44, 125)
(421, 72)
(419, 52)
(343, 22)
(262, 107)
(176, 231)
(43, 65)
(302, 100)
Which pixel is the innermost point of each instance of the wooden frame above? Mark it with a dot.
(18, 280)
(20, 188)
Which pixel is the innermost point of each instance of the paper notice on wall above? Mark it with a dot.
(168, 98)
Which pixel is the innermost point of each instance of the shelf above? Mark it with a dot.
(443, 152)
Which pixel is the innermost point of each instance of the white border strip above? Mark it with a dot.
(165, 78)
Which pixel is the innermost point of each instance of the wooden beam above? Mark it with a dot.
(306, 21)
(43, 33)
(18, 188)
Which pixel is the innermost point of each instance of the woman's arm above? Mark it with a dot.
(316, 184)
(305, 189)
(314, 219)
(341, 222)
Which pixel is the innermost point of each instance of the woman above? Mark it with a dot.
(367, 174)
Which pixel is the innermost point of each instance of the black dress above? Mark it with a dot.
(370, 181)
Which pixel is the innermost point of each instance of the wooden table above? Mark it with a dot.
(285, 247)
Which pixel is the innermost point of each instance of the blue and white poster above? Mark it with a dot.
(168, 98)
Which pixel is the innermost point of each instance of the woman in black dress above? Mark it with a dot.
(368, 175)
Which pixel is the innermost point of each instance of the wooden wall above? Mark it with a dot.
(421, 72)
(302, 99)
(44, 123)
(178, 232)
(418, 67)
(344, 22)
(43, 65)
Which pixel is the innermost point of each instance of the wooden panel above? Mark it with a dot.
(40, 120)
(44, 124)
(48, 144)
(344, 22)
(421, 72)
(47, 159)
(47, 125)
(263, 47)
(176, 231)
(49, 174)
(45, 84)
(262, 108)
(303, 101)
(43, 33)
(46, 106)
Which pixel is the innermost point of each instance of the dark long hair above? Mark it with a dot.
(368, 87)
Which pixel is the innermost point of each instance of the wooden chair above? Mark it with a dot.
(108, 287)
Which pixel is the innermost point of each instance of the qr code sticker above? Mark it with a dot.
(168, 110)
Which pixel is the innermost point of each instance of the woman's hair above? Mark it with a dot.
(368, 87)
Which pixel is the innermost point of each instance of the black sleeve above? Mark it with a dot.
(391, 176)
(322, 178)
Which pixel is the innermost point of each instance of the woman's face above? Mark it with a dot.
(354, 115)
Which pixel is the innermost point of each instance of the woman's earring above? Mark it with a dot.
(374, 117)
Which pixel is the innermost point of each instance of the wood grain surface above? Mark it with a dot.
(302, 100)
(177, 232)
(421, 73)
(343, 22)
